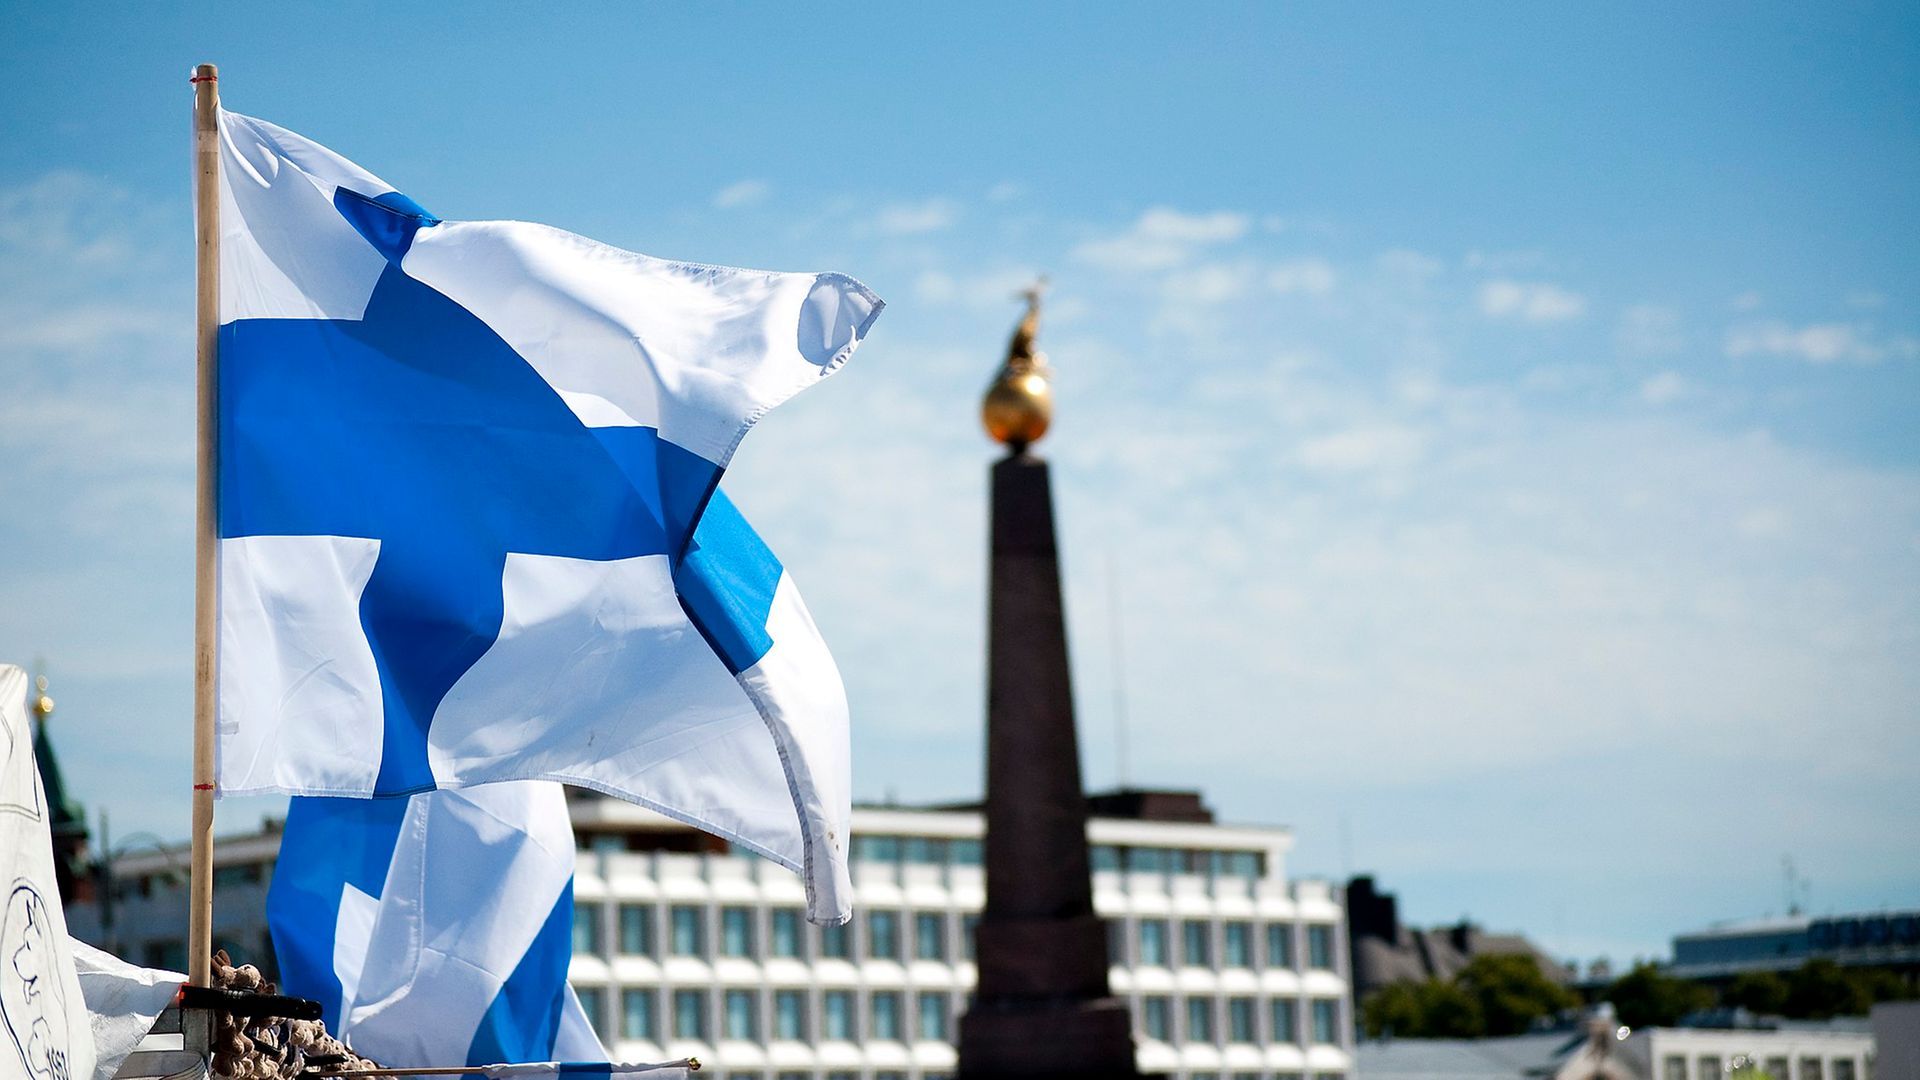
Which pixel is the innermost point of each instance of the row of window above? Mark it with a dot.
(928, 935)
(940, 851)
(1711, 1067)
(687, 1015)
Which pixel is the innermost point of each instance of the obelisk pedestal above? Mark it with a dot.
(1042, 1006)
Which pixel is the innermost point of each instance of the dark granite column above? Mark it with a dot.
(1042, 1007)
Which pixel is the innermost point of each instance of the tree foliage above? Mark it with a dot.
(1648, 997)
(1493, 995)
(1513, 992)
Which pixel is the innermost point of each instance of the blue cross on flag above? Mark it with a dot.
(470, 522)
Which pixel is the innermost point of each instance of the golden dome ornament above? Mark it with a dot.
(1018, 406)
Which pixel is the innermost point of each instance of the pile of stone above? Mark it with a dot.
(271, 1047)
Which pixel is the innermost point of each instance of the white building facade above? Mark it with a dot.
(1231, 971)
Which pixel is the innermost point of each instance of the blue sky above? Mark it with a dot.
(1499, 419)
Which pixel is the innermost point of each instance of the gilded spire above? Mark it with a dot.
(1018, 406)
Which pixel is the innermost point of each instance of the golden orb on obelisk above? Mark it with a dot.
(1019, 405)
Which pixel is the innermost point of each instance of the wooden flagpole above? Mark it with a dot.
(206, 537)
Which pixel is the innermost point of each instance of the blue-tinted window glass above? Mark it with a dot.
(636, 929)
(1106, 857)
(1156, 1017)
(1236, 945)
(741, 1021)
(968, 924)
(636, 1015)
(1320, 947)
(689, 1014)
(1196, 941)
(885, 1006)
(963, 852)
(1285, 1029)
(1240, 1020)
(790, 1015)
(1326, 1022)
(1153, 942)
(932, 1009)
(835, 942)
(736, 931)
(1279, 945)
(1149, 860)
(686, 930)
(883, 935)
(836, 1009)
(784, 932)
(924, 850)
(1199, 1019)
(885, 849)
(586, 928)
(929, 935)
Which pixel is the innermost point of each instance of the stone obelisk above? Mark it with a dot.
(1042, 1006)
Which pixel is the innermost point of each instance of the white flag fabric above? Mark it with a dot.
(470, 522)
(47, 1030)
(435, 930)
(123, 1001)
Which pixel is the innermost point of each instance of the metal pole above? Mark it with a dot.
(206, 581)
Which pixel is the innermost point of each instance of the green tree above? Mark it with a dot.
(1882, 984)
(1434, 1009)
(1513, 992)
(1760, 991)
(1821, 990)
(1647, 997)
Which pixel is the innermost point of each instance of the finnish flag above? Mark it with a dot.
(465, 964)
(470, 521)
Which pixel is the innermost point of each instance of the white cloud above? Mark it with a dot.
(1817, 343)
(1530, 301)
(1161, 239)
(931, 215)
(1207, 285)
(742, 193)
(985, 290)
(1311, 276)
(1664, 388)
(1358, 449)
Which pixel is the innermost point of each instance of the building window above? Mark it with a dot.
(931, 1008)
(1674, 1068)
(1149, 860)
(741, 1021)
(689, 1014)
(1207, 1075)
(1320, 947)
(736, 931)
(1329, 1076)
(963, 852)
(1776, 1068)
(636, 929)
(924, 851)
(790, 1015)
(1105, 857)
(1236, 945)
(880, 849)
(785, 932)
(1199, 1020)
(1326, 1021)
(1709, 1067)
(1842, 1069)
(1156, 1017)
(929, 936)
(1237, 864)
(883, 935)
(836, 1010)
(843, 1076)
(586, 929)
(1279, 945)
(968, 924)
(889, 1074)
(636, 1015)
(1810, 1068)
(1153, 942)
(1246, 1076)
(792, 1075)
(593, 1002)
(1285, 1030)
(884, 1006)
(1116, 940)
(686, 931)
(1196, 941)
(835, 942)
(1240, 1025)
